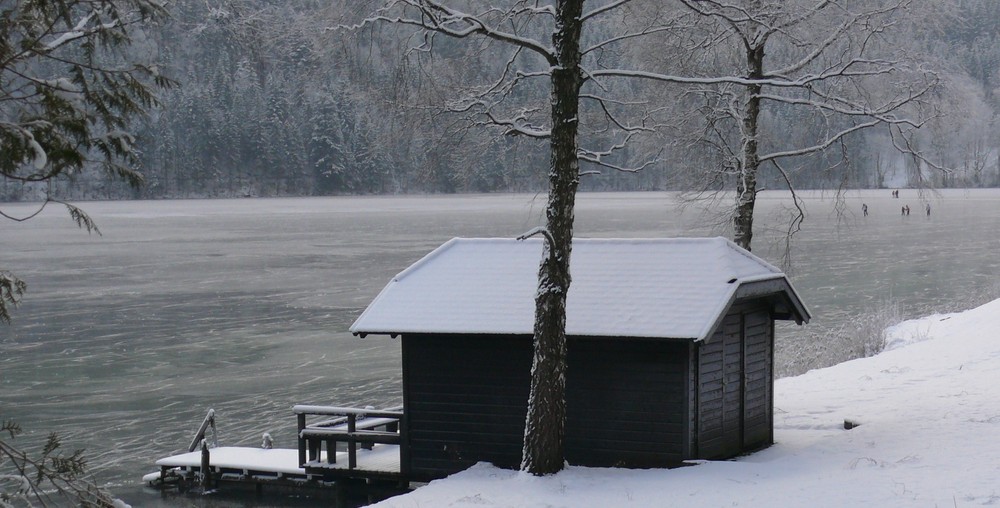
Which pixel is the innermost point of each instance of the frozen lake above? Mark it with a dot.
(125, 340)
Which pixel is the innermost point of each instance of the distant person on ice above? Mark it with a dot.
(928, 209)
(864, 209)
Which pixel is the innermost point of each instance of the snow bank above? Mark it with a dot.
(929, 435)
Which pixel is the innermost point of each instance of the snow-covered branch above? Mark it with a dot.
(880, 113)
(80, 31)
(628, 35)
(621, 124)
(842, 71)
(603, 9)
(822, 145)
(599, 161)
(903, 143)
(435, 16)
(518, 125)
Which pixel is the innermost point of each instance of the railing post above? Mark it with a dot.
(200, 435)
(301, 417)
(352, 445)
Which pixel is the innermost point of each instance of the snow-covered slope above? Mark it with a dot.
(929, 435)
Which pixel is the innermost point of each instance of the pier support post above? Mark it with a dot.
(206, 472)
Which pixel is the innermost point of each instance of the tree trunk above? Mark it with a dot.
(544, 430)
(746, 185)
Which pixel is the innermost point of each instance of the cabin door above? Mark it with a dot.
(734, 386)
(720, 391)
(758, 343)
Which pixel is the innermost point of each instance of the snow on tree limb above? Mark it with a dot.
(437, 17)
(842, 71)
(826, 143)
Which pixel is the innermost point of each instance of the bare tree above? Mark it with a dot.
(582, 67)
(536, 41)
(828, 62)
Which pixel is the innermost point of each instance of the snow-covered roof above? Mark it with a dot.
(669, 288)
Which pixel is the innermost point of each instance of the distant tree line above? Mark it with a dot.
(272, 102)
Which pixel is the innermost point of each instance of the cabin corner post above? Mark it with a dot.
(404, 421)
(691, 402)
(770, 388)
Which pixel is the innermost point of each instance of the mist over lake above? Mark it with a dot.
(125, 340)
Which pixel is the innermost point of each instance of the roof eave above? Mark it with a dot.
(761, 286)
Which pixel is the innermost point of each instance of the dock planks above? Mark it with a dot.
(256, 464)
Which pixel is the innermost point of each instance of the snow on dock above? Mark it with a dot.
(372, 455)
(234, 463)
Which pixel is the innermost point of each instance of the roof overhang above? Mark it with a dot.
(639, 288)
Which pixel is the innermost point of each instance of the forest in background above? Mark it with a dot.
(275, 101)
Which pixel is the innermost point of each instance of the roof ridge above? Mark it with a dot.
(426, 259)
(751, 256)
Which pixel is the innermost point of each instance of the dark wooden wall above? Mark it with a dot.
(466, 400)
(734, 390)
(630, 402)
(758, 362)
(626, 402)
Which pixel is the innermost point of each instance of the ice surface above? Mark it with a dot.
(125, 340)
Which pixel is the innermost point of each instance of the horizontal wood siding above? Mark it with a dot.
(626, 402)
(466, 401)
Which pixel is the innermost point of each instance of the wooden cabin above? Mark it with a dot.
(670, 351)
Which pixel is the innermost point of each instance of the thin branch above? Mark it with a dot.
(604, 8)
(442, 19)
(27, 217)
(795, 225)
(801, 82)
(820, 146)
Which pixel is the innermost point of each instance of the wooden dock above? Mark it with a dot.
(371, 458)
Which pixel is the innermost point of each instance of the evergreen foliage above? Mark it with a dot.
(68, 98)
(49, 478)
(69, 95)
(275, 103)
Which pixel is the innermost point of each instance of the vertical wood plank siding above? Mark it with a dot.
(716, 398)
(626, 402)
(734, 390)
(630, 402)
(757, 411)
(467, 399)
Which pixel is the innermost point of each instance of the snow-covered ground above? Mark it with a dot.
(929, 435)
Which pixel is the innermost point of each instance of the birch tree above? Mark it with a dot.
(537, 41)
(588, 117)
(825, 60)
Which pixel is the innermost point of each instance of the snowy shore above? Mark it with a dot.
(929, 435)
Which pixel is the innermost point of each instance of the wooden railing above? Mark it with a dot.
(209, 421)
(349, 425)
